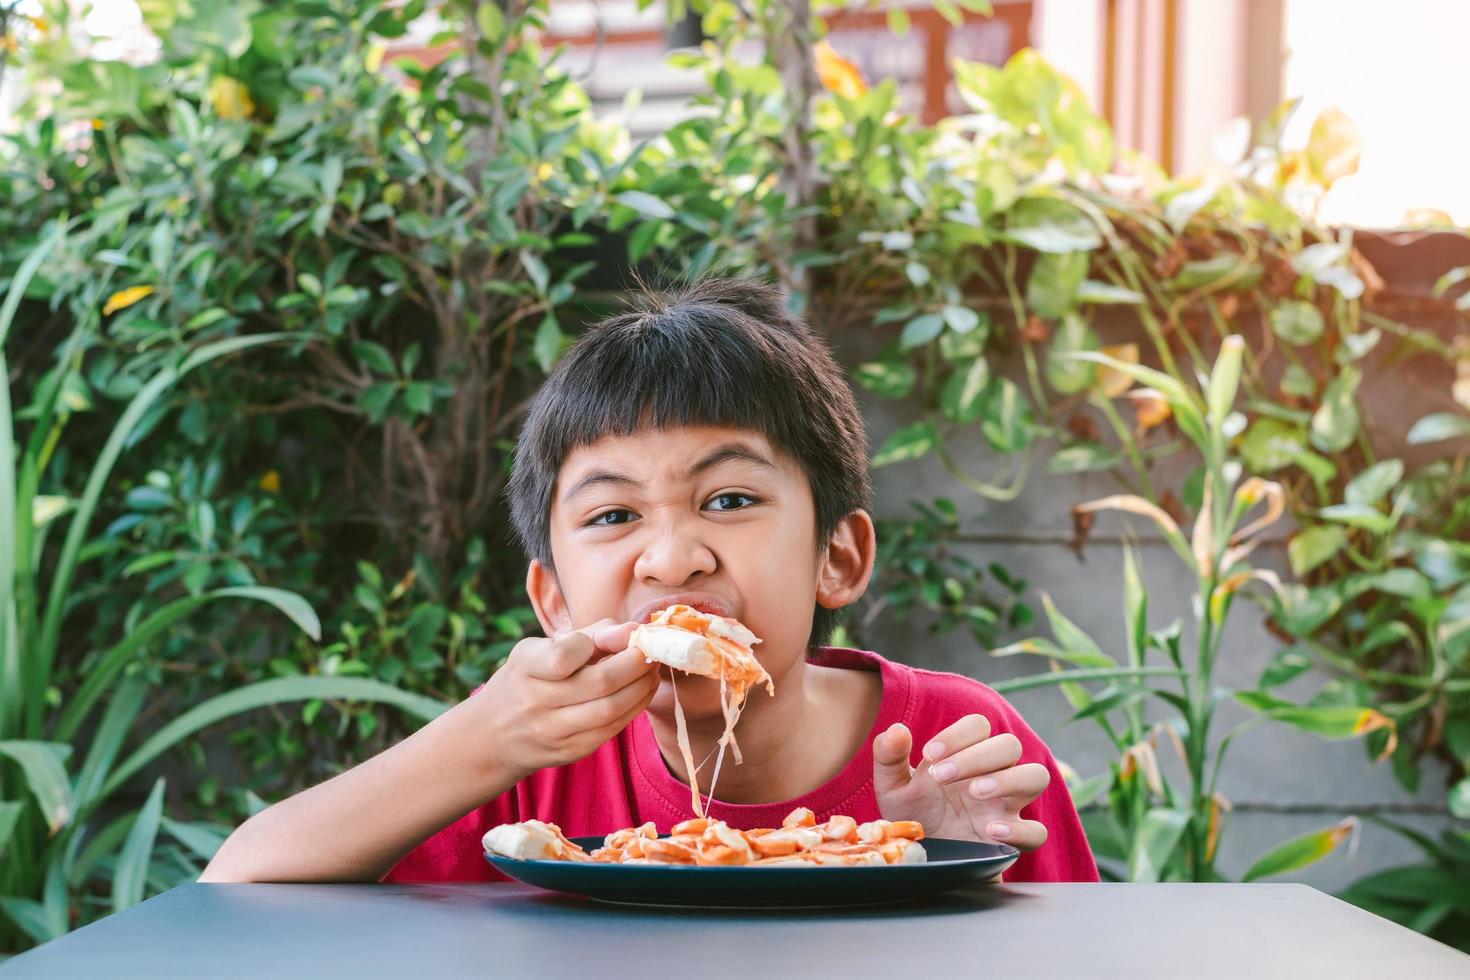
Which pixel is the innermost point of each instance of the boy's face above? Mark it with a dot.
(712, 517)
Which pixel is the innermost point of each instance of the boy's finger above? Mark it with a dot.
(611, 636)
(891, 769)
(603, 711)
(967, 731)
(1027, 835)
(992, 755)
(611, 673)
(569, 652)
(1017, 786)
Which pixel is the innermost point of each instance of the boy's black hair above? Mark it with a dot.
(720, 352)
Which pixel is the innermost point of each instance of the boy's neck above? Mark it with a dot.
(791, 743)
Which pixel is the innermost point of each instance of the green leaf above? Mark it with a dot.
(1459, 799)
(1069, 635)
(261, 694)
(1300, 851)
(376, 399)
(961, 319)
(548, 342)
(130, 876)
(1065, 678)
(1051, 289)
(1297, 322)
(1154, 842)
(45, 775)
(1008, 423)
(909, 442)
(1046, 648)
(536, 269)
(646, 204)
(1374, 483)
(1337, 721)
(375, 356)
(960, 400)
(1313, 546)
(1406, 583)
(1088, 790)
(1335, 423)
(1092, 291)
(204, 840)
(491, 21)
(1083, 457)
(1050, 225)
(1135, 606)
(122, 711)
(1067, 374)
(1358, 515)
(1439, 426)
(1224, 382)
(920, 330)
(10, 811)
(887, 379)
(1271, 444)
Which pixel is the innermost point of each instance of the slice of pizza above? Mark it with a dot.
(719, 647)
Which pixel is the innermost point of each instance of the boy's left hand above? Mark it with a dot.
(968, 786)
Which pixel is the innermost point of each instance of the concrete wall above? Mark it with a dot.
(1281, 782)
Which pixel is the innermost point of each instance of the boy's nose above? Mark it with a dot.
(673, 557)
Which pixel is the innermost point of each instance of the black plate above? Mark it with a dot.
(951, 864)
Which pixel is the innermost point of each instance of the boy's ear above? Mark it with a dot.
(847, 561)
(547, 599)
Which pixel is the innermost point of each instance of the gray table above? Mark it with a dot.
(1001, 932)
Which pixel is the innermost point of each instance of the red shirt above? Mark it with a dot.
(626, 783)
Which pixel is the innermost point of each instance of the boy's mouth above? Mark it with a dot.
(705, 602)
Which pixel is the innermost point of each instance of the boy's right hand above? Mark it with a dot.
(557, 700)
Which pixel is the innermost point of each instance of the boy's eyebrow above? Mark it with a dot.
(731, 452)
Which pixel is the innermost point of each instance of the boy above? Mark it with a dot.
(706, 450)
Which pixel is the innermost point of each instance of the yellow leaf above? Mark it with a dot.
(1112, 382)
(1141, 757)
(1218, 805)
(271, 482)
(124, 298)
(1202, 541)
(231, 99)
(374, 58)
(1371, 721)
(1149, 407)
(1334, 147)
(1134, 505)
(836, 73)
(1250, 493)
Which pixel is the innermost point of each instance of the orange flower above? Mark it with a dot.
(837, 74)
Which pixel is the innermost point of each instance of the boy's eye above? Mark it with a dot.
(611, 518)
(731, 501)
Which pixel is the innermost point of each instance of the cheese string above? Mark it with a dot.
(688, 755)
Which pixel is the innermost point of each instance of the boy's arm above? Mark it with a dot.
(554, 701)
(356, 826)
